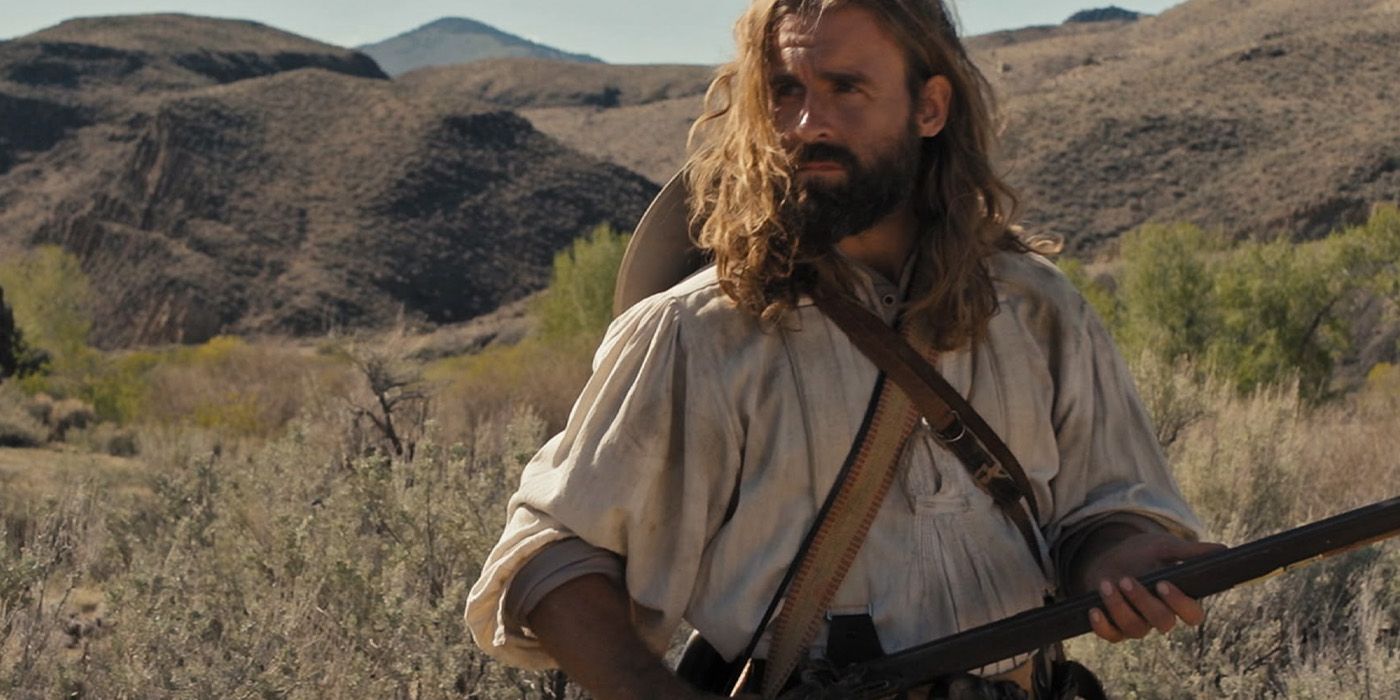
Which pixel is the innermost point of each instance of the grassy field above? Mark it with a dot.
(304, 521)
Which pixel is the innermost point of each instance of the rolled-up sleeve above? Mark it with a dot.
(1110, 461)
(643, 469)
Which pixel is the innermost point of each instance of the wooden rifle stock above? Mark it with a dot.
(1038, 628)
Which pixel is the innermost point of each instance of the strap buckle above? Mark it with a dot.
(956, 423)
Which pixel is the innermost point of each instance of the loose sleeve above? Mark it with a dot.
(643, 469)
(1110, 462)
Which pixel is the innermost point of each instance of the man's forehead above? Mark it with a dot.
(850, 34)
(796, 31)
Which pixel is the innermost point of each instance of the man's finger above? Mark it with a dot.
(1103, 628)
(1185, 607)
(1121, 614)
(1155, 611)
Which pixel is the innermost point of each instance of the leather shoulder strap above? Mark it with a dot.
(954, 421)
(829, 549)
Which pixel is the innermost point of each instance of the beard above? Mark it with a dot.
(820, 214)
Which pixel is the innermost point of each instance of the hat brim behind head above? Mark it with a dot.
(662, 251)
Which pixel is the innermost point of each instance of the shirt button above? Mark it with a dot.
(889, 300)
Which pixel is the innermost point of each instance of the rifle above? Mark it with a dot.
(1035, 629)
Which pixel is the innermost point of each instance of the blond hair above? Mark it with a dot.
(739, 175)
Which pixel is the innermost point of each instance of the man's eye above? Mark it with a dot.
(845, 87)
(786, 89)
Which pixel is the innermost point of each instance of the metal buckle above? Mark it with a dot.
(962, 429)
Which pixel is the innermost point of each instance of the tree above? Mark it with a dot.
(17, 359)
(1167, 291)
(1256, 314)
(49, 294)
(9, 340)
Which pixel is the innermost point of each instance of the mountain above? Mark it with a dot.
(146, 53)
(224, 177)
(1105, 14)
(454, 40)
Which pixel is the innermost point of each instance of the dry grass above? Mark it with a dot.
(1252, 466)
(239, 389)
(314, 564)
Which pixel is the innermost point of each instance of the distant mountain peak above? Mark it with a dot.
(456, 40)
(1113, 13)
(459, 24)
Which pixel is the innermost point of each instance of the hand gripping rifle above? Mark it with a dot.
(1034, 629)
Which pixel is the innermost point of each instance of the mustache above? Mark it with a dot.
(819, 152)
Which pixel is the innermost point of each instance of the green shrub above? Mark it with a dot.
(1167, 291)
(1257, 314)
(578, 302)
(15, 356)
(50, 296)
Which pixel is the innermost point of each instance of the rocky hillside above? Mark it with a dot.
(258, 182)
(454, 40)
(634, 116)
(1260, 117)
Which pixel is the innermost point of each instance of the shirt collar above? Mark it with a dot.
(877, 292)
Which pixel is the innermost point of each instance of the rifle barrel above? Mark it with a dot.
(1200, 577)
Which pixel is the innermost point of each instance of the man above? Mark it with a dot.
(848, 135)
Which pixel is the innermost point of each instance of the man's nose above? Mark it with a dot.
(814, 120)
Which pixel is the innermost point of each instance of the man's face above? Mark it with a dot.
(843, 110)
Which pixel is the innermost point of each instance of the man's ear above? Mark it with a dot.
(935, 98)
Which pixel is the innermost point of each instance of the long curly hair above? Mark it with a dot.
(739, 176)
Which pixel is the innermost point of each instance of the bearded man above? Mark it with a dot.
(848, 144)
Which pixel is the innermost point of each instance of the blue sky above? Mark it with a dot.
(618, 31)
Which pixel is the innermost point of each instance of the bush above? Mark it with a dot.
(69, 415)
(50, 296)
(226, 386)
(17, 427)
(1166, 292)
(108, 439)
(577, 306)
(1257, 314)
(12, 346)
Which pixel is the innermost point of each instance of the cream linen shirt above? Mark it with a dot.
(693, 408)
